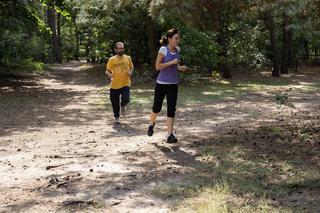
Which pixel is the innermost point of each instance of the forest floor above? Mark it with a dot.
(238, 150)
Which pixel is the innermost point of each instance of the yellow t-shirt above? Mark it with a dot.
(120, 67)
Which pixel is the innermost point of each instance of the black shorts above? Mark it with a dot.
(162, 90)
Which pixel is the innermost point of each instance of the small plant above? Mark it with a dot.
(282, 99)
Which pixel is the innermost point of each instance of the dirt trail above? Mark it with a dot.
(58, 150)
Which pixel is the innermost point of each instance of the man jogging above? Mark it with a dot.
(119, 69)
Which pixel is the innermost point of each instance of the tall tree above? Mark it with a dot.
(55, 8)
(55, 33)
(268, 19)
(286, 43)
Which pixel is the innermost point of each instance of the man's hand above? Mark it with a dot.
(130, 72)
(109, 74)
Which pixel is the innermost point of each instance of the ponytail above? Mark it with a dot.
(164, 41)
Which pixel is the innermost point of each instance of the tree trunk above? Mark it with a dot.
(90, 51)
(286, 45)
(269, 22)
(152, 42)
(59, 37)
(223, 61)
(76, 34)
(52, 22)
(223, 40)
(292, 54)
(306, 49)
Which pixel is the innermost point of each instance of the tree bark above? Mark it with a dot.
(59, 37)
(151, 42)
(76, 34)
(306, 49)
(269, 22)
(223, 62)
(292, 54)
(223, 40)
(286, 44)
(52, 22)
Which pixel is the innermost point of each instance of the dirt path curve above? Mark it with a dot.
(58, 150)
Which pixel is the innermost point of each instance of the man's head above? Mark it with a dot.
(119, 48)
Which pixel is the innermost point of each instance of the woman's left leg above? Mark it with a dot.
(172, 96)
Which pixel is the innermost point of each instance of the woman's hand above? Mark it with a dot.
(182, 68)
(160, 65)
(174, 61)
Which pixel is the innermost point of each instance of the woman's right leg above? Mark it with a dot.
(159, 94)
(153, 118)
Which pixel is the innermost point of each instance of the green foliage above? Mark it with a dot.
(198, 48)
(128, 24)
(247, 45)
(21, 43)
(212, 32)
(24, 66)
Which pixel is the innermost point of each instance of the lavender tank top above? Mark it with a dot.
(169, 75)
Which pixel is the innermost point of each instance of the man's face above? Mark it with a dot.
(119, 49)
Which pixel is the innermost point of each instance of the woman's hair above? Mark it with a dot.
(165, 39)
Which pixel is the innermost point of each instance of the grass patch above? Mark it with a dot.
(208, 91)
(14, 101)
(241, 177)
(142, 96)
(218, 197)
(312, 87)
(171, 192)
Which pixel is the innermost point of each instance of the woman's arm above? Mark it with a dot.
(160, 66)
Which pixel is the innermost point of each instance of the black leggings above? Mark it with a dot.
(169, 90)
(115, 99)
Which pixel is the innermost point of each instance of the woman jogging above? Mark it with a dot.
(167, 82)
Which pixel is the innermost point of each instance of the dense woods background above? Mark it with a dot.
(217, 35)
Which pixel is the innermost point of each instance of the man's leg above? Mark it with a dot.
(125, 99)
(114, 98)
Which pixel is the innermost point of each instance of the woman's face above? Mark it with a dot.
(174, 41)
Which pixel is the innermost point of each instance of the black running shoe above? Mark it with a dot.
(150, 130)
(172, 139)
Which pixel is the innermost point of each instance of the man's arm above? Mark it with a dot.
(131, 71)
(131, 67)
(109, 73)
(109, 68)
